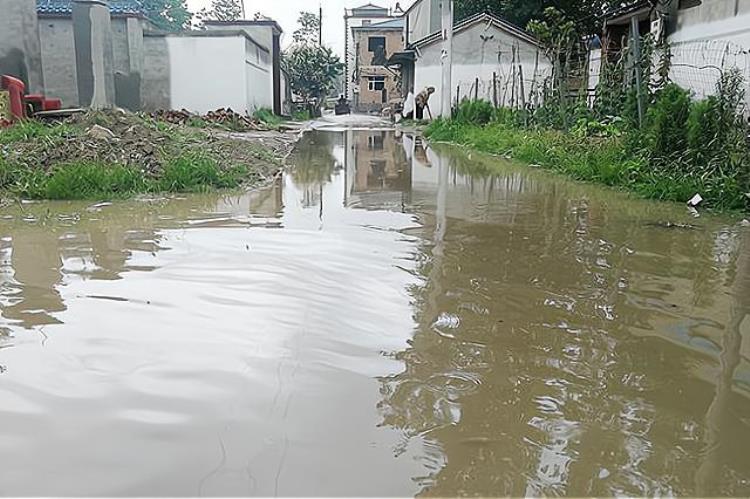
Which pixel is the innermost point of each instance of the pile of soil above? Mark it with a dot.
(140, 141)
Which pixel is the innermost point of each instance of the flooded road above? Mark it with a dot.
(379, 322)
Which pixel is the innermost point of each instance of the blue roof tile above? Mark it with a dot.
(65, 7)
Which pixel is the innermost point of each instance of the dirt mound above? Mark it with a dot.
(137, 140)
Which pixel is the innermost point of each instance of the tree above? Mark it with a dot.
(312, 71)
(222, 10)
(586, 14)
(168, 15)
(309, 29)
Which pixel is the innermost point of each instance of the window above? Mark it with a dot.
(376, 141)
(376, 83)
(376, 45)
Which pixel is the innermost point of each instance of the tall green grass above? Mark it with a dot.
(684, 146)
(190, 172)
(267, 117)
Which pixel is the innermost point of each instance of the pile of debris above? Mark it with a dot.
(225, 118)
(119, 137)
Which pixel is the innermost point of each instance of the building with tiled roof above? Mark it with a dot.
(65, 7)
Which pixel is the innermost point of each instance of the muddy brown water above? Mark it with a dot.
(379, 322)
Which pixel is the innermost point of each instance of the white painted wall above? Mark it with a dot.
(423, 19)
(710, 37)
(207, 73)
(258, 77)
(478, 52)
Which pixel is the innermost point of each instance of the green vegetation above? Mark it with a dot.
(105, 155)
(301, 115)
(85, 180)
(32, 130)
(312, 68)
(268, 118)
(684, 146)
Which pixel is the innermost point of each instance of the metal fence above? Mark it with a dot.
(695, 65)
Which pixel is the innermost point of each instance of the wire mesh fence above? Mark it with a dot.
(696, 66)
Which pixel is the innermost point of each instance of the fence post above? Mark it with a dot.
(513, 80)
(476, 89)
(494, 89)
(636, 44)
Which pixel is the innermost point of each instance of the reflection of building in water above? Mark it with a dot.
(316, 158)
(548, 358)
(30, 297)
(263, 203)
(378, 174)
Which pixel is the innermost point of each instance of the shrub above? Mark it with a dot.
(478, 112)
(88, 181)
(666, 123)
(193, 172)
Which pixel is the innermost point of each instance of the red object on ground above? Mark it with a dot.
(36, 101)
(15, 88)
(52, 104)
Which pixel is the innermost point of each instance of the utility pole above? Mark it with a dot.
(242, 5)
(320, 25)
(447, 57)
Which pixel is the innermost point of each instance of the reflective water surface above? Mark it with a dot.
(379, 322)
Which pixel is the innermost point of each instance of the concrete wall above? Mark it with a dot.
(258, 77)
(155, 80)
(127, 43)
(92, 31)
(713, 35)
(710, 11)
(20, 50)
(475, 57)
(423, 19)
(202, 72)
(207, 73)
(59, 59)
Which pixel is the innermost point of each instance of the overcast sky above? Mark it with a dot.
(285, 12)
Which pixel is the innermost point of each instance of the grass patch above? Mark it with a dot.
(267, 117)
(195, 172)
(604, 160)
(302, 115)
(33, 130)
(191, 172)
(91, 181)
